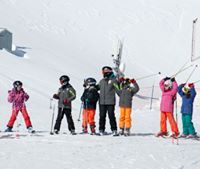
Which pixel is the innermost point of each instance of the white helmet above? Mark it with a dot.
(168, 84)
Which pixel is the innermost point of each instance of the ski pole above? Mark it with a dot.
(51, 132)
(151, 102)
(191, 73)
(193, 39)
(79, 116)
(50, 105)
(176, 104)
(144, 77)
(181, 70)
(197, 81)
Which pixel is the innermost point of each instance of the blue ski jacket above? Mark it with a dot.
(187, 100)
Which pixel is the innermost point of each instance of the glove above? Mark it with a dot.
(132, 81)
(65, 101)
(166, 78)
(121, 79)
(173, 79)
(191, 85)
(183, 84)
(55, 96)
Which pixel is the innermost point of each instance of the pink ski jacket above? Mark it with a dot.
(167, 100)
(17, 98)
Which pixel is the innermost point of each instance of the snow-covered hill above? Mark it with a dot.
(75, 37)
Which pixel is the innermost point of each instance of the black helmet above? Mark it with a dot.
(90, 82)
(107, 71)
(64, 79)
(17, 83)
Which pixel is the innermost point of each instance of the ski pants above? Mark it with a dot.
(60, 116)
(188, 127)
(103, 109)
(14, 116)
(172, 122)
(88, 118)
(125, 118)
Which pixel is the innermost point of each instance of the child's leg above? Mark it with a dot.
(85, 120)
(26, 117)
(122, 118)
(190, 125)
(91, 114)
(172, 122)
(12, 118)
(127, 118)
(184, 123)
(69, 119)
(59, 119)
(163, 123)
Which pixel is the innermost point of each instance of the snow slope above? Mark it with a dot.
(75, 37)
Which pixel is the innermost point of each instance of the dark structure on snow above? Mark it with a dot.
(5, 39)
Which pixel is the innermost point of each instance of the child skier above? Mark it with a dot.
(66, 94)
(128, 88)
(187, 93)
(17, 96)
(89, 98)
(168, 87)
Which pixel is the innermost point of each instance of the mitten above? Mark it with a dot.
(133, 81)
(55, 96)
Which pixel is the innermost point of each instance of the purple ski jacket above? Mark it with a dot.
(17, 98)
(167, 100)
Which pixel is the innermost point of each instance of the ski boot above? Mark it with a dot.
(121, 132)
(56, 131)
(30, 130)
(183, 136)
(161, 134)
(8, 129)
(73, 132)
(115, 133)
(192, 136)
(93, 131)
(84, 131)
(127, 132)
(174, 135)
(102, 133)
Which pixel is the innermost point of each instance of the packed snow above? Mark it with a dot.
(75, 37)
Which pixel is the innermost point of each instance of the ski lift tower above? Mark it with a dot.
(5, 39)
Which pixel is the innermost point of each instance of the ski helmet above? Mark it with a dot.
(64, 79)
(168, 84)
(186, 89)
(107, 71)
(17, 83)
(90, 82)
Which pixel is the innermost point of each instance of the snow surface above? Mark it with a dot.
(75, 37)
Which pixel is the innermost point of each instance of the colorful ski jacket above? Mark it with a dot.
(17, 98)
(66, 94)
(126, 94)
(90, 97)
(168, 97)
(107, 87)
(187, 100)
